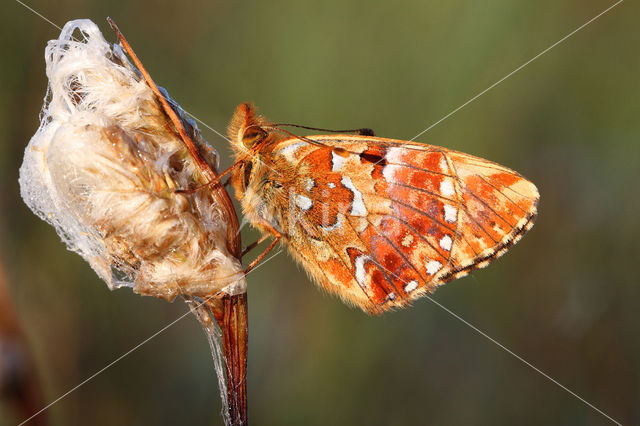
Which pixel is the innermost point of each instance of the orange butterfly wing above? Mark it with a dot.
(380, 222)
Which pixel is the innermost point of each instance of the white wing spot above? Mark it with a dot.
(394, 155)
(302, 201)
(337, 161)
(331, 185)
(361, 272)
(446, 187)
(445, 243)
(444, 167)
(433, 266)
(411, 285)
(450, 213)
(309, 183)
(357, 206)
(289, 151)
(389, 172)
(407, 240)
(391, 296)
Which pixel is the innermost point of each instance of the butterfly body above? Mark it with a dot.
(379, 222)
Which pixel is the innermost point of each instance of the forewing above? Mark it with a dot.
(381, 222)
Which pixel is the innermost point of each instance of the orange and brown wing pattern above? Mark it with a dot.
(381, 222)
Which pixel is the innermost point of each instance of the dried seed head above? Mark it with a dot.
(103, 169)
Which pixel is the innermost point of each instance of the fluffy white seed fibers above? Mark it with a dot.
(102, 169)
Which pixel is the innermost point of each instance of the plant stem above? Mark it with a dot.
(235, 338)
(230, 312)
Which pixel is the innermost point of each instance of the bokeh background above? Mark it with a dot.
(566, 298)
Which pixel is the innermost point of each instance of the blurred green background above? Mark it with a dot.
(566, 298)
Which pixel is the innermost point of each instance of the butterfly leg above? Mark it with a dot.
(272, 232)
(253, 245)
(262, 255)
(194, 190)
(209, 184)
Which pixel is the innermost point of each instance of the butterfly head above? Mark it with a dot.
(246, 135)
(246, 130)
(256, 183)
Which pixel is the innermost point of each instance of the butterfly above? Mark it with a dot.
(378, 222)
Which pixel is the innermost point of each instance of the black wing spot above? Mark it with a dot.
(374, 159)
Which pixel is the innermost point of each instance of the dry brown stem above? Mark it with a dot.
(230, 312)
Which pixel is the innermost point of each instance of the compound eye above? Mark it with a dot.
(252, 136)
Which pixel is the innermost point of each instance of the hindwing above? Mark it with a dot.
(380, 222)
